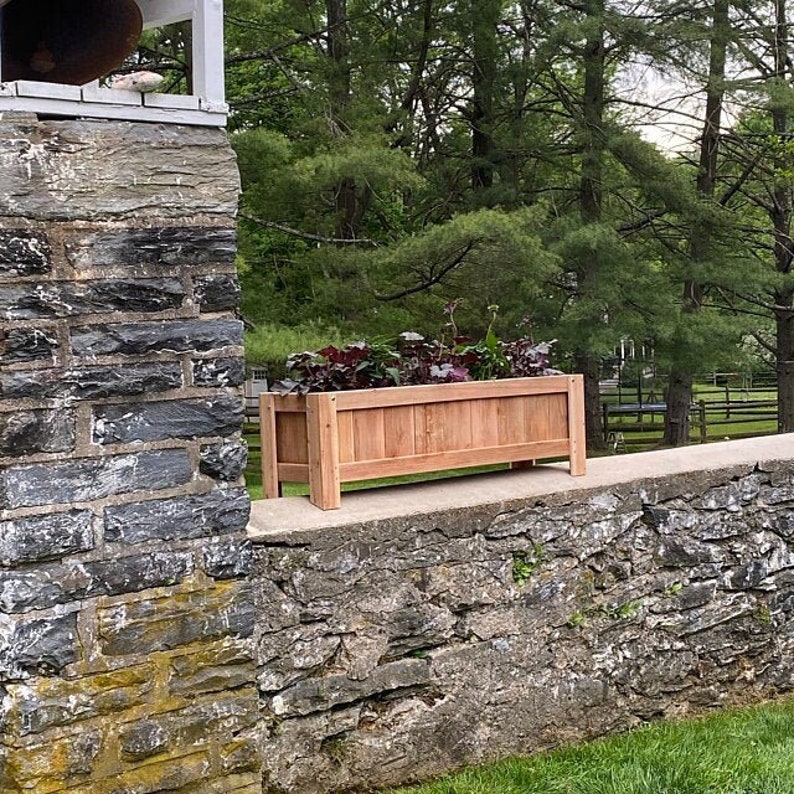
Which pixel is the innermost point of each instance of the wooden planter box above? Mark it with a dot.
(330, 438)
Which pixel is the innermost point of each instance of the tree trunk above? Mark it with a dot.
(590, 366)
(590, 201)
(679, 400)
(485, 16)
(679, 388)
(783, 250)
(348, 209)
(785, 373)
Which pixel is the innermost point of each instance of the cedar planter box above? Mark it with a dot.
(325, 439)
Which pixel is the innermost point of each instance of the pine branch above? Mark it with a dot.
(432, 277)
(315, 238)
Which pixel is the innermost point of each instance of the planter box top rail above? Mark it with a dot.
(392, 396)
(329, 438)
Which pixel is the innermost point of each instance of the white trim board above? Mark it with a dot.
(102, 110)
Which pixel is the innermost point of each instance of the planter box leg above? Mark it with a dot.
(576, 426)
(323, 436)
(271, 487)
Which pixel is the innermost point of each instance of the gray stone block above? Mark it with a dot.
(224, 716)
(750, 575)
(219, 416)
(89, 383)
(46, 586)
(143, 739)
(161, 624)
(85, 170)
(24, 540)
(332, 691)
(23, 253)
(30, 432)
(219, 512)
(219, 372)
(217, 293)
(136, 572)
(227, 558)
(66, 299)
(86, 479)
(37, 647)
(224, 668)
(166, 336)
(225, 462)
(158, 246)
(27, 344)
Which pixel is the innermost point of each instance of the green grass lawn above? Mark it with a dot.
(750, 751)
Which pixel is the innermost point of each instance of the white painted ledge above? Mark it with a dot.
(105, 103)
(273, 516)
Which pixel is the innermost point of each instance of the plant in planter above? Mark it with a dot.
(342, 414)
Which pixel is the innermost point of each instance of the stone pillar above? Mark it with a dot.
(125, 617)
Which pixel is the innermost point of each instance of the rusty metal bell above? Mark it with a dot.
(67, 41)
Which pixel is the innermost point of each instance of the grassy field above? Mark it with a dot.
(750, 751)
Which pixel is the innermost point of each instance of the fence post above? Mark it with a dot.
(605, 422)
(702, 418)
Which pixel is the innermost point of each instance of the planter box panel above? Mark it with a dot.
(444, 427)
(543, 418)
(292, 440)
(510, 416)
(369, 442)
(325, 439)
(347, 445)
(399, 430)
(485, 423)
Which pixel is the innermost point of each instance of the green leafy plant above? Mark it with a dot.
(526, 562)
(410, 359)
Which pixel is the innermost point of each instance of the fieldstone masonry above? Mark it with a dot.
(125, 615)
(402, 646)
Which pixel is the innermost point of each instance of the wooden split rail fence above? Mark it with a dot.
(710, 420)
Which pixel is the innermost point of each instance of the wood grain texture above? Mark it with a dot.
(271, 487)
(363, 435)
(323, 442)
(576, 426)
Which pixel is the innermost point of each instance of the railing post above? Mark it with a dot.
(702, 421)
(208, 64)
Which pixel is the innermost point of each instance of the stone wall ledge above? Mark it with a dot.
(292, 516)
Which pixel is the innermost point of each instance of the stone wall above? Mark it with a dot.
(125, 615)
(425, 628)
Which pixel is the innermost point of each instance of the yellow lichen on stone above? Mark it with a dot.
(170, 775)
(43, 703)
